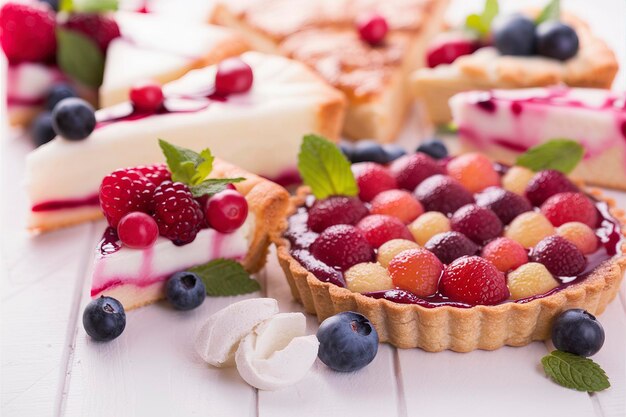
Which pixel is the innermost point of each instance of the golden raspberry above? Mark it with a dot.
(529, 228)
(530, 279)
(581, 235)
(516, 179)
(393, 247)
(368, 276)
(428, 225)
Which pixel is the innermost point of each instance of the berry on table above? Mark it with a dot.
(28, 32)
(529, 228)
(97, 26)
(372, 28)
(73, 118)
(581, 235)
(41, 130)
(177, 213)
(59, 92)
(342, 246)
(570, 207)
(372, 179)
(449, 246)
(556, 40)
(560, 256)
(505, 254)
(185, 290)
(233, 76)
(433, 148)
(577, 331)
(514, 35)
(545, 184)
(367, 277)
(529, 280)
(137, 230)
(226, 211)
(474, 171)
(477, 223)
(146, 96)
(475, 281)
(335, 210)
(388, 250)
(397, 203)
(410, 170)
(516, 179)
(124, 191)
(442, 193)
(380, 228)
(417, 271)
(428, 225)
(104, 319)
(506, 204)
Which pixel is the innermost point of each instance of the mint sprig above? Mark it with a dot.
(88, 6)
(80, 57)
(325, 169)
(558, 154)
(222, 277)
(481, 23)
(212, 186)
(552, 11)
(575, 372)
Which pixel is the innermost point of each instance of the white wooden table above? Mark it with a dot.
(50, 367)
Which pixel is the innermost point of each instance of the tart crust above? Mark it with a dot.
(453, 328)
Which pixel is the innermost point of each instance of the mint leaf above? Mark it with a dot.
(558, 154)
(324, 168)
(88, 6)
(552, 11)
(212, 186)
(186, 165)
(204, 168)
(225, 277)
(80, 57)
(575, 372)
(66, 5)
(447, 129)
(481, 23)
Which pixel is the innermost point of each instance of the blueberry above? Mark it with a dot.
(577, 331)
(57, 93)
(185, 290)
(556, 40)
(514, 35)
(394, 152)
(369, 151)
(104, 319)
(348, 342)
(41, 129)
(433, 148)
(73, 118)
(53, 3)
(347, 149)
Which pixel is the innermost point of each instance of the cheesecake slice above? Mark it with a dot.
(259, 130)
(506, 123)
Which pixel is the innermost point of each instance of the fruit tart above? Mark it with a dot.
(458, 253)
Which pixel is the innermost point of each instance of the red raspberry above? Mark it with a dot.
(397, 203)
(570, 207)
(156, 173)
(380, 228)
(177, 213)
(475, 281)
(102, 29)
(372, 179)
(560, 256)
(28, 32)
(506, 254)
(411, 170)
(449, 246)
(478, 223)
(547, 183)
(442, 193)
(342, 246)
(335, 210)
(506, 204)
(124, 191)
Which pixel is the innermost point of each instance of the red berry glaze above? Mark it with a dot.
(477, 223)
(410, 170)
(449, 246)
(570, 207)
(342, 246)
(380, 228)
(560, 256)
(146, 96)
(397, 203)
(506, 204)
(28, 32)
(137, 230)
(446, 51)
(372, 179)
(233, 76)
(177, 213)
(506, 254)
(99, 27)
(226, 211)
(124, 191)
(547, 183)
(156, 173)
(335, 210)
(372, 28)
(442, 193)
(475, 281)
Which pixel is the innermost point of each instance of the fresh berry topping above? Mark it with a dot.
(428, 225)
(505, 254)
(442, 193)
(529, 280)
(368, 277)
(73, 118)
(474, 171)
(347, 148)
(577, 331)
(99, 27)
(372, 28)
(560, 256)
(372, 179)
(516, 179)
(156, 173)
(348, 342)
(570, 207)
(393, 152)
(104, 319)
(335, 210)
(506, 204)
(547, 183)
(391, 248)
(57, 93)
(380, 228)
(28, 32)
(477, 223)
(178, 215)
(397, 203)
(368, 151)
(233, 76)
(446, 51)
(433, 148)
(226, 211)
(318, 268)
(411, 170)
(556, 40)
(475, 281)
(417, 271)
(124, 191)
(146, 96)
(514, 35)
(342, 246)
(529, 228)
(137, 230)
(581, 235)
(42, 131)
(449, 246)
(185, 290)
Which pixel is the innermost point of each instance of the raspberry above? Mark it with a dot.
(442, 193)
(529, 228)
(530, 279)
(570, 207)
(372, 179)
(547, 183)
(124, 191)
(409, 171)
(380, 228)
(560, 256)
(428, 225)
(516, 179)
(342, 246)
(474, 171)
(506, 204)
(101, 28)
(416, 270)
(28, 32)
(156, 173)
(368, 277)
(506, 254)
(390, 249)
(397, 203)
(449, 246)
(335, 210)
(580, 235)
(477, 223)
(475, 281)
(177, 213)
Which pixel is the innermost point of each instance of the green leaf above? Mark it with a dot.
(91, 6)
(552, 11)
(558, 154)
(80, 57)
(481, 23)
(212, 186)
(225, 277)
(204, 168)
(184, 164)
(575, 372)
(447, 129)
(324, 168)
(66, 5)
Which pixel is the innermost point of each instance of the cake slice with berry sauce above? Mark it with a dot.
(458, 253)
